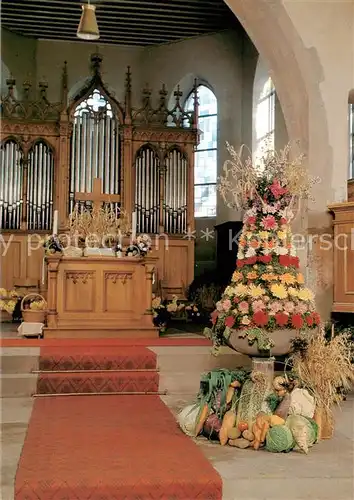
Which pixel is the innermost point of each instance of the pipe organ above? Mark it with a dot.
(52, 150)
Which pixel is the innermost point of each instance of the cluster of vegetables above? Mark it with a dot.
(246, 410)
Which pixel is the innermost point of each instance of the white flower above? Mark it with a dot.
(240, 254)
(219, 306)
(266, 251)
(293, 251)
(251, 252)
(281, 250)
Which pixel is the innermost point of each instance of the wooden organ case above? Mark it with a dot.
(50, 151)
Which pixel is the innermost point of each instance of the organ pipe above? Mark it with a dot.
(40, 185)
(11, 200)
(175, 203)
(94, 150)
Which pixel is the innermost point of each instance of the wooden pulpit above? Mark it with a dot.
(100, 297)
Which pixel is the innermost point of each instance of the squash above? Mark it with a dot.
(228, 422)
(234, 433)
(275, 420)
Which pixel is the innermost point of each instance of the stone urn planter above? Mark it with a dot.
(239, 340)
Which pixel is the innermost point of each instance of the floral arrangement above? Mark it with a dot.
(8, 300)
(140, 246)
(105, 223)
(267, 290)
(38, 305)
(52, 245)
(163, 310)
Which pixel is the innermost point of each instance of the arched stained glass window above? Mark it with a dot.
(205, 164)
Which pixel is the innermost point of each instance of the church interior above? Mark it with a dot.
(120, 123)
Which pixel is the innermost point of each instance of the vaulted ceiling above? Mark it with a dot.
(121, 22)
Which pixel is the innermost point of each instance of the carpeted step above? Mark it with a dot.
(111, 448)
(96, 358)
(98, 382)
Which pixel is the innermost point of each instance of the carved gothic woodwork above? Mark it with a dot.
(144, 156)
(99, 296)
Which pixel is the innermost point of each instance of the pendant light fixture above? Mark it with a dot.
(88, 28)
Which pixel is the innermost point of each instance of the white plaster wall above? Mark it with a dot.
(52, 54)
(18, 54)
(327, 30)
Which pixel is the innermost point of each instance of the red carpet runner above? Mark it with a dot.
(109, 447)
(87, 369)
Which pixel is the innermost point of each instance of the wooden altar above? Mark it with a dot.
(99, 297)
(52, 151)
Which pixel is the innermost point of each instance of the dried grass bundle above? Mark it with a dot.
(325, 367)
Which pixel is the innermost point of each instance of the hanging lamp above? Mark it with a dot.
(88, 27)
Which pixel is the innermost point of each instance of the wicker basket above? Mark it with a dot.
(31, 316)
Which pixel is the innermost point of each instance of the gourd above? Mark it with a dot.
(228, 422)
(275, 420)
(253, 394)
(234, 433)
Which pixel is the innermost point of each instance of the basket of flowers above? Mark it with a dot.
(33, 308)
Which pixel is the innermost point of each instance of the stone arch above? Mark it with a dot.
(296, 74)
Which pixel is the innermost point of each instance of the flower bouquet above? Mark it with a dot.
(139, 247)
(267, 303)
(8, 301)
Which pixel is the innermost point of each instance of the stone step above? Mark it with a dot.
(180, 368)
(19, 359)
(14, 385)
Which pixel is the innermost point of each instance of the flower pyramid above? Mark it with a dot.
(267, 289)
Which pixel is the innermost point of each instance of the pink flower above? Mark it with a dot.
(275, 307)
(258, 305)
(243, 306)
(277, 190)
(251, 220)
(289, 307)
(226, 305)
(301, 308)
(269, 222)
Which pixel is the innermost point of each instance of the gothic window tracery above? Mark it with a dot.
(95, 151)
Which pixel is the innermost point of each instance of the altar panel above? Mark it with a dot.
(100, 297)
